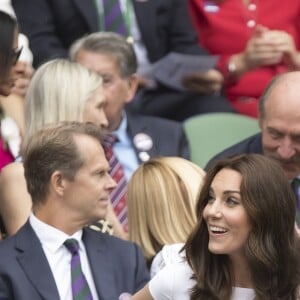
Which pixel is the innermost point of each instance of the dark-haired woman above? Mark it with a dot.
(244, 245)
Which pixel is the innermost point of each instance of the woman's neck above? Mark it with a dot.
(241, 271)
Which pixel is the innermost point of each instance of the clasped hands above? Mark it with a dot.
(266, 48)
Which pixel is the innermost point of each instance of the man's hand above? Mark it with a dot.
(22, 73)
(206, 82)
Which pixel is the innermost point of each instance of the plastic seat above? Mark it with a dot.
(209, 134)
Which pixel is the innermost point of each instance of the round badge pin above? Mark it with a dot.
(143, 142)
(144, 156)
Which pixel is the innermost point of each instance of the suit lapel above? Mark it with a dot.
(33, 261)
(101, 263)
(89, 11)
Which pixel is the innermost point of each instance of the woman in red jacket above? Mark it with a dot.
(256, 40)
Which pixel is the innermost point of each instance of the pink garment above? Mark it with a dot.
(5, 155)
(224, 27)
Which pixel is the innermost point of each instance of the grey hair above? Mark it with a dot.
(109, 43)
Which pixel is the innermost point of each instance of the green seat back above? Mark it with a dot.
(209, 134)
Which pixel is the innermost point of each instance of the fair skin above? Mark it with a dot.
(204, 82)
(267, 47)
(12, 181)
(24, 72)
(228, 223)
(280, 127)
(94, 109)
(228, 226)
(118, 90)
(72, 204)
(225, 216)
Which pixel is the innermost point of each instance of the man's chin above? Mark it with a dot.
(290, 171)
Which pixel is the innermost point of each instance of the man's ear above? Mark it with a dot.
(57, 183)
(132, 82)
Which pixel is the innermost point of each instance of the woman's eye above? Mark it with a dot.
(232, 201)
(210, 199)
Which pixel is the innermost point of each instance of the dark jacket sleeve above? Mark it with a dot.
(183, 36)
(37, 20)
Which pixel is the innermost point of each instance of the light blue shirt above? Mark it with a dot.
(124, 150)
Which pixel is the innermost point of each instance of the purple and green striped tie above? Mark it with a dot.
(80, 287)
(113, 17)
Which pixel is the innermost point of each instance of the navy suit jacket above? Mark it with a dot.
(117, 267)
(52, 26)
(168, 136)
(253, 144)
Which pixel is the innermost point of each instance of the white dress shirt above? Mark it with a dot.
(59, 257)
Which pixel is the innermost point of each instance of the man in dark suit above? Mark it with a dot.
(156, 29)
(140, 137)
(67, 177)
(279, 120)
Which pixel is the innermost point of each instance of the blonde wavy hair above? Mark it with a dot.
(161, 200)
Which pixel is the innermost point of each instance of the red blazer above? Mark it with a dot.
(224, 27)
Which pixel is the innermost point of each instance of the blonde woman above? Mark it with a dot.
(161, 199)
(59, 91)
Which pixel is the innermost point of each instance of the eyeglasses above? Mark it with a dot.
(15, 54)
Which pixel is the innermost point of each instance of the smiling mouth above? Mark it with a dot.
(217, 229)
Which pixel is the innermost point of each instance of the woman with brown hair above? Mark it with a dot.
(244, 245)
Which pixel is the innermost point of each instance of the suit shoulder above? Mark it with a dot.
(111, 240)
(8, 250)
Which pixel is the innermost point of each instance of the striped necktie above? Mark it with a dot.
(296, 189)
(113, 17)
(118, 195)
(80, 287)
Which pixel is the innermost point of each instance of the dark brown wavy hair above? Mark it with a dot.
(8, 25)
(272, 248)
